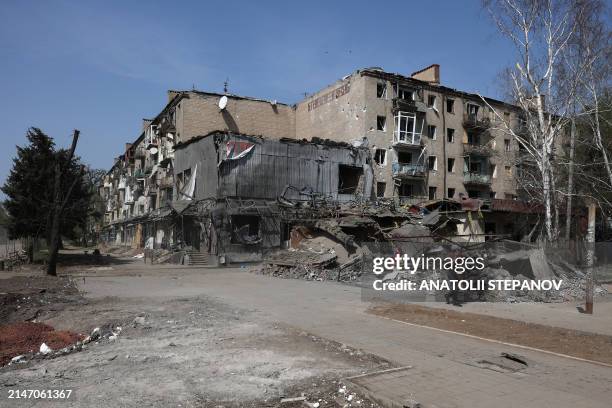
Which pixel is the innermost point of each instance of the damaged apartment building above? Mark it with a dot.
(227, 175)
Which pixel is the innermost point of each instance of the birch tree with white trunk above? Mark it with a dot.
(540, 31)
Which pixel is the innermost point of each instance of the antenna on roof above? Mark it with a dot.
(225, 85)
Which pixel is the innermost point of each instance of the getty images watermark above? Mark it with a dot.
(461, 274)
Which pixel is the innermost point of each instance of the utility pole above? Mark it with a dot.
(590, 258)
(58, 207)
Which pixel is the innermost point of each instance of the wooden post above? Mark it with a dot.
(58, 207)
(590, 258)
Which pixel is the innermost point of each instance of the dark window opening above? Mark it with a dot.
(431, 101)
(451, 192)
(380, 189)
(348, 179)
(381, 90)
(245, 229)
(380, 156)
(473, 138)
(450, 165)
(404, 157)
(450, 105)
(450, 135)
(381, 123)
(406, 94)
(405, 190)
(431, 132)
(472, 110)
(432, 193)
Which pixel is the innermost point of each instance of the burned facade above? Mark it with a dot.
(242, 194)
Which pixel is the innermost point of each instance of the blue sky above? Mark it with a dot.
(103, 66)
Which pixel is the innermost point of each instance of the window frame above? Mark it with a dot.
(401, 136)
(384, 123)
(452, 134)
(435, 163)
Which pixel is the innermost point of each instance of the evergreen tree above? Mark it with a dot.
(29, 189)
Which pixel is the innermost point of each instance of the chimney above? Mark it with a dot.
(429, 74)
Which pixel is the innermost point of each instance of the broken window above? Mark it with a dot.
(472, 110)
(380, 189)
(507, 117)
(432, 131)
(473, 138)
(405, 190)
(381, 90)
(507, 145)
(508, 170)
(406, 94)
(451, 192)
(475, 167)
(380, 157)
(245, 229)
(450, 105)
(431, 101)
(432, 193)
(451, 165)
(450, 135)
(432, 163)
(348, 179)
(381, 123)
(404, 157)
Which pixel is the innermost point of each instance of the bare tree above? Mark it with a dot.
(540, 31)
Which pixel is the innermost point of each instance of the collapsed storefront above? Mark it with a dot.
(240, 194)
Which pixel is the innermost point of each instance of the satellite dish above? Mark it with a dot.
(223, 102)
(153, 150)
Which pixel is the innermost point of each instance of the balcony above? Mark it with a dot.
(412, 200)
(476, 122)
(407, 139)
(409, 170)
(477, 149)
(479, 179)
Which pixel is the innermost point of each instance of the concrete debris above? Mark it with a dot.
(140, 320)
(294, 399)
(18, 359)
(44, 349)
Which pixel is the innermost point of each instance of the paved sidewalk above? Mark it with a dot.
(446, 370)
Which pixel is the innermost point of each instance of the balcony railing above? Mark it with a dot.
(412, 200)
(477, 149)
(476, 178)
(409, 170)
(407, 139)
(475, 121)
(408, 105)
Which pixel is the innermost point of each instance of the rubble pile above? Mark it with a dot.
(22, 340)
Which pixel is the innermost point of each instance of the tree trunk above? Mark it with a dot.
(570, 182)
(55, 224)
(58, 207)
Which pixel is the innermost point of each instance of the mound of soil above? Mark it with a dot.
(24, 337)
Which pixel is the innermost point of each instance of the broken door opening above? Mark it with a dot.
(348, 179)
(245, 229)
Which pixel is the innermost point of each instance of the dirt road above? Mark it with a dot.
(228, 337)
